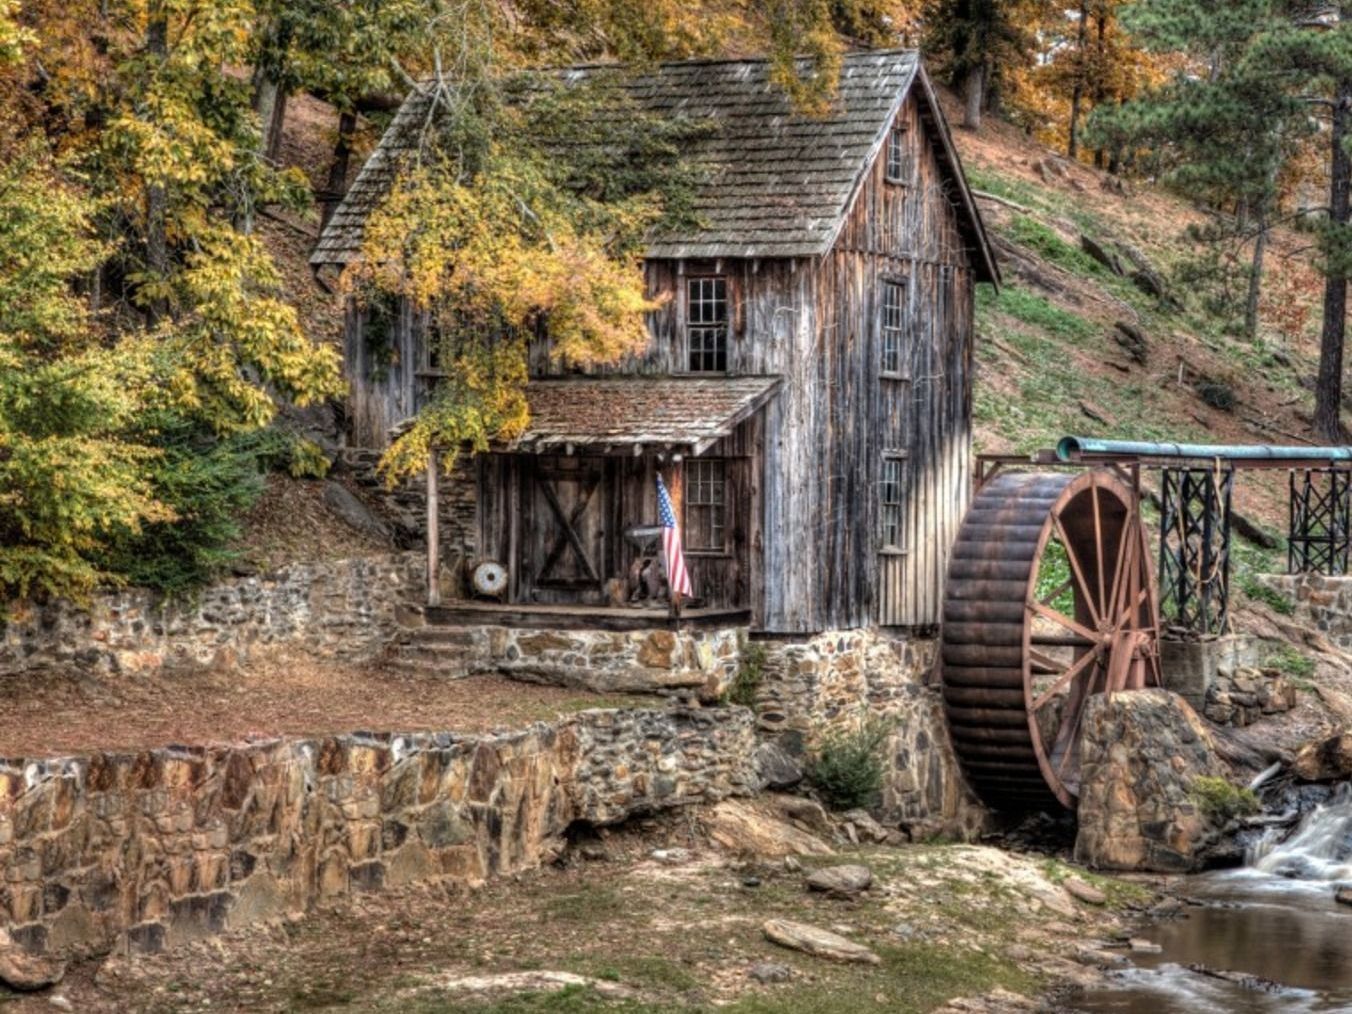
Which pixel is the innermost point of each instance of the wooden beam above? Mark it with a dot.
(433, 534)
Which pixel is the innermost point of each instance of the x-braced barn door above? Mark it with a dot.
(565, 508)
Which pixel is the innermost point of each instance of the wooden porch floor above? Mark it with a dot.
(578, 617)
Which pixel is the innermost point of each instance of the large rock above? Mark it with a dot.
(1140, 754)
(1326, 760)
(352, 512)
(842, 881)
(799, 936)
(754, 828)
(26, 973)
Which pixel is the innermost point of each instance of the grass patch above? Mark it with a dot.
(1292, 663)
(1036, 311)
(912, 978)
(1119, 893)
(1047, 244)
(585, 906)
(1257, 591)
(1221, 802)
(643, 971)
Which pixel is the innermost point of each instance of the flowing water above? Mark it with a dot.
(1271, 934)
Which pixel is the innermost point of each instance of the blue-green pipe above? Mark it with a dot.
(1068, 447)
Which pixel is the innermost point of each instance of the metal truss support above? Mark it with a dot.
(1195, 548)
(1321, 517)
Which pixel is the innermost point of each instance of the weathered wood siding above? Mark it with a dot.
(908, 232)
(384, 359)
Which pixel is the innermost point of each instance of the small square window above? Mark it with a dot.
(706, 505)
(891, 492)
(898, 161)
(706, 324)
(893, 326)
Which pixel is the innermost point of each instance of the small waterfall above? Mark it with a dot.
(1319, 849)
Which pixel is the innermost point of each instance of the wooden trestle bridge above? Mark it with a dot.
(1054, 594)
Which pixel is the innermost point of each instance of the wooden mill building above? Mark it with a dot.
(807, 389)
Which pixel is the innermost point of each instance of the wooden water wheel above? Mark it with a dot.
(1050, 598)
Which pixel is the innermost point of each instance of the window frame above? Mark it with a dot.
(897, 166)
(901, 462)
(902, 284)
(692, 500)
(720, 349)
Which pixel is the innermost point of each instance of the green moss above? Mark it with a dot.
(1221, 801)
(1047, 244)
(1292, 663)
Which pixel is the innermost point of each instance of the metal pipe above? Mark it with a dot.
(1070, 448)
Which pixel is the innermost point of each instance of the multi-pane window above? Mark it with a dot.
(898, 164)
(706, 505)
(891, 490)
(893, 325)
(706, 324)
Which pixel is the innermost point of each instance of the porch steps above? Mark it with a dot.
(431, 651)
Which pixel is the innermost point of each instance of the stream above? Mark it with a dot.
(1270, 933)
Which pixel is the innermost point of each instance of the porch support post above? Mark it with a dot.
(676, 491)
(433, 533)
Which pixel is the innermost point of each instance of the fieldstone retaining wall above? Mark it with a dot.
(698, 660)
(1321, 601)
(347, 608)
(836, 680)
(148, 850)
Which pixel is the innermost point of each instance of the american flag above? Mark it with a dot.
(677, 576)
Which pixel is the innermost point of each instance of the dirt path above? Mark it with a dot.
(54, 714)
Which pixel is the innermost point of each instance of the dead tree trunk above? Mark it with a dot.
(335, 187)
(975, 94)
(1328, 392)
(1255, 276)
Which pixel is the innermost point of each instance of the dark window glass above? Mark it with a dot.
(705, 505)
(893, 325)
(891, 490)
(706, 324)
(898, 165)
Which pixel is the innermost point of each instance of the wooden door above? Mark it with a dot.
(564, 543)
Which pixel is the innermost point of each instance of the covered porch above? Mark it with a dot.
(569, 511)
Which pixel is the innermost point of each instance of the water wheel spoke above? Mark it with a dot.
(1058, 617)
(1076, 569)
(1124, 545)
(1098, 546)
(1058, 591)
(1074, 670)
(1044, 664)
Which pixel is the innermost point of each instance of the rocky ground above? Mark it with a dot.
(747, 907)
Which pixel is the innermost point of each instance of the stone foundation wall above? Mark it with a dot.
(347, 608)
(834, 680)
(1322, 602)
(702, 661)
(149, 850)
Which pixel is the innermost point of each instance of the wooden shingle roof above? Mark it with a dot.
(777, 182)
(622, 414)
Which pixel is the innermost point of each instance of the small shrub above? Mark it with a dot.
(1221, 802)
(1270, 597)
(1219, 396)
(847, 767)
(750, 673)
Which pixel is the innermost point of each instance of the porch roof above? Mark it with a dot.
(629, 414)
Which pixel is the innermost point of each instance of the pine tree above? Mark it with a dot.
(981, 42)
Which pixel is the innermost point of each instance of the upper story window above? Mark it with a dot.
(706, 324)
(898, 158)
(891, 490)
(893, 327)
(706, 499)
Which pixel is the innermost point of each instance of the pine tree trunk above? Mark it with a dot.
(1077, 92)
(1328, 392)
(1255, 278)
(335, 188)
(157, 199)
(975, 92)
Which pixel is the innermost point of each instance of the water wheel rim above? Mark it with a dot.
(1123, 628)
